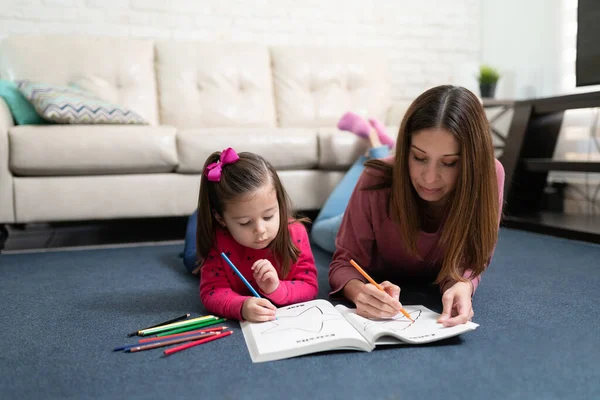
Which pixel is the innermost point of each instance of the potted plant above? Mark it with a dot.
(488, 77)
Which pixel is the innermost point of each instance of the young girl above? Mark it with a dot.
(429, 213)
(244, 211)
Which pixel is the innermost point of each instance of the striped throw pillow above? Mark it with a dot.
(67, 105)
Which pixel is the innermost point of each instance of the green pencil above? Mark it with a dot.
(146, 332)
(191, 327)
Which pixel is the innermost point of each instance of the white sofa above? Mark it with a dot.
(281, 102)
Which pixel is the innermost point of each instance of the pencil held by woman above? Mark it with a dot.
(378, 286)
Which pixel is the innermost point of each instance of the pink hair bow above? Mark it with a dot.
(214, 170)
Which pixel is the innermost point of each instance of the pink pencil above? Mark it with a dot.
(196, 343)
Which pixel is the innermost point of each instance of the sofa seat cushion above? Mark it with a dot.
(284, 148)
(339, 149)
(55, 150)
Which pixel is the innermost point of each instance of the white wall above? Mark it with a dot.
(523, 39)
(424, 41)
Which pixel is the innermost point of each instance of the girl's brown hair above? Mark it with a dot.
(248, 174)
(470, 228)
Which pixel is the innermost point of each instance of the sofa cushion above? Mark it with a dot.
(68, 105)
(284, 148)
(142, 195)
(22, 110)
(339, 149)
(315, 86)
(91, 149)
(204, 85)
(118, 70)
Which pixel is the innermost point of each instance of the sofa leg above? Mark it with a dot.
(3, 236)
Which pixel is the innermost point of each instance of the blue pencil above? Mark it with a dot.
(240, 275)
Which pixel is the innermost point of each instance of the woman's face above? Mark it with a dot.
(433, 164)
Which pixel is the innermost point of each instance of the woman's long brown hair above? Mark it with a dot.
(248, 174)
(470, 228)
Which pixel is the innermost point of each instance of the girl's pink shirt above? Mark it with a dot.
(370, 237)
(223, 293)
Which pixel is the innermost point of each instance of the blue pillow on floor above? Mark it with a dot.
(21, 109)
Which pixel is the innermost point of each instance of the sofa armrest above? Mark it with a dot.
(7, 209)
(395, 113)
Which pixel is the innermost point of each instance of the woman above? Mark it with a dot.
(429, 213)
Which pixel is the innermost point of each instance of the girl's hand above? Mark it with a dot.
(372, 302)
(458, 307)
(265, 276)
(258, 310)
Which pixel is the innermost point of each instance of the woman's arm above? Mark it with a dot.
(354, 240)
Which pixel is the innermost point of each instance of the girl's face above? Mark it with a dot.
(433, 164)
(253, 219)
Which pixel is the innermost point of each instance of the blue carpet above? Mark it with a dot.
(63, 312)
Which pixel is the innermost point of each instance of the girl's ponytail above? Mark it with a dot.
(205, 229)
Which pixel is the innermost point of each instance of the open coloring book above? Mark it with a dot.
(317, 325)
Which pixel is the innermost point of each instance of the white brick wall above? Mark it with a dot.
(425, 41)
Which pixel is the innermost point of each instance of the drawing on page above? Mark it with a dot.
(398, 323)
(310, 320)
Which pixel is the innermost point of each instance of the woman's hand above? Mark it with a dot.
(458, 307)
(265, 276)
(371, 302)
(258, 310)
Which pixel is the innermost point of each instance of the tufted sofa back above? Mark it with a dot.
(118, 70)
(314, 86)
(206, 85)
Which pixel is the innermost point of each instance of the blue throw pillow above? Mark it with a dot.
(21, 109)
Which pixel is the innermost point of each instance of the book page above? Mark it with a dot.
(301, 328)
(400, 329)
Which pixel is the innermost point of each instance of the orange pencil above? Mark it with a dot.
(196, 343)
(377, 285)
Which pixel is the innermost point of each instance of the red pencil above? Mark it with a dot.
(153, 339)
(196, 343)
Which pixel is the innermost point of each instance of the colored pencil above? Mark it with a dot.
(175, 325)
(192, 327)
(154, 339)
(164, 343)
(181, 317)
(254, 292)
(196, 343)
(143, 342)
(378, 286)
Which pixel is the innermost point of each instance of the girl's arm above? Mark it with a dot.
(301, 282)
(215, 289)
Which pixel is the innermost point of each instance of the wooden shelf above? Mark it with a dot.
(562, 103)
(548, 164)
(577, 227)
(527, 160)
